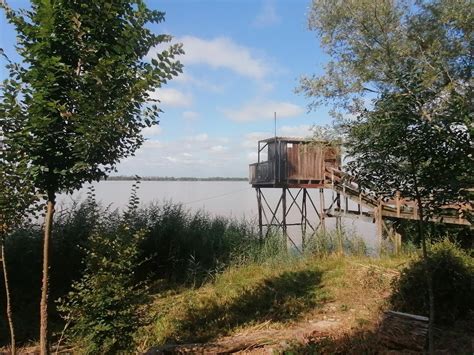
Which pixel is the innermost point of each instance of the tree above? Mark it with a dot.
(408, 145)
(414, 61)
(17, 199)
(80, 95)
(370, 42)
(417, 143)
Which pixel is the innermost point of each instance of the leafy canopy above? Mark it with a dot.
(17, 196)
(403, 69)
(81, 96)
(372, 44)
(397, 148)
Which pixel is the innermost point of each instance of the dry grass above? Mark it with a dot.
(293, 294)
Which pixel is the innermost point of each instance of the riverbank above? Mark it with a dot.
(161, 275)
(297, 306)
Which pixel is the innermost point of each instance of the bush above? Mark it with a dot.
(103, 307)
(453, 274)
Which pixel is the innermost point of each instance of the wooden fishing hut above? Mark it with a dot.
(298, 164)
(292, 163)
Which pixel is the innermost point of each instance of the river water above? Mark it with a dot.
(236, 199)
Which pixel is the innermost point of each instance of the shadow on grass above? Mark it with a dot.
(358, 342)
(453, 339)
(276, 299)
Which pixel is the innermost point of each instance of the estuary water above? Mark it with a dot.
(235, 199)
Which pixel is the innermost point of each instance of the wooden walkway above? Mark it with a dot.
(377, 208)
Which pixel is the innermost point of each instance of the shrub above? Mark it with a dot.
(453, 274)
(103, 306)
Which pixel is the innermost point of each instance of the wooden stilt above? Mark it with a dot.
(340, 249)
(283, 199)
(303, 218)
(260, 222)
(397, 203)
(379, 223)
(322, 213)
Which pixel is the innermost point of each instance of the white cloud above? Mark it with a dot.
(201, 137)
(295, 131)
(222, 52)
(151, 143)
(190, 115)
(257, 110)
(172, 97)
(199, 155)
(218, 149)
(250, 139)
(187, 79)
(267, 16)
(152, 131)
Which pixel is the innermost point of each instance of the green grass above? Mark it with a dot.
(270, 294)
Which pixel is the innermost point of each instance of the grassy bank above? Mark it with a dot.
(159, 275)
(287, 305)
(271, 295)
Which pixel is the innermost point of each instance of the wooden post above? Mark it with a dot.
(260, 222)
(378, 223)
(398, 242)
(397, 203)
(345, 197)
(340, 247)
(322, 213)
(339, 222)
(283, 199)
(360, 204)
(304, 218)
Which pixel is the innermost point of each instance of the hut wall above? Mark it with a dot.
(308, 162)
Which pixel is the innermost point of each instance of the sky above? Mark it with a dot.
(242, 63)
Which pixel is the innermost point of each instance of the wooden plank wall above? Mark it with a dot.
(305, 162)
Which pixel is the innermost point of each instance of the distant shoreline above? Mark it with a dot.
(171, 178)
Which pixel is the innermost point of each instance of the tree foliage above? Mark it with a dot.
(78, 95)
(409, 145)
(413, 60)
(403, 70)
(81, 95)
(103, 306)
(373, 43)
(453, 270)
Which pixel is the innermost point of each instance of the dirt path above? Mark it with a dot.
(263, 339)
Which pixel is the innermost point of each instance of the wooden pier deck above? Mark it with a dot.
(396, 208)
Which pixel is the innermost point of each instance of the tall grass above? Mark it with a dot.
(178, 245)
(340, 242)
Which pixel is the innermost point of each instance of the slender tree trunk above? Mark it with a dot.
(8, 299)
(44, 345)
(429, 274)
